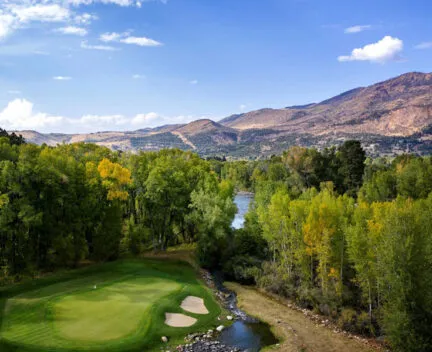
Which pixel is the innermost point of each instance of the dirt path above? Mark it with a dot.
(297, 332)
(184, 139)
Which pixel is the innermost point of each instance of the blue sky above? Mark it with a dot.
(89, 65)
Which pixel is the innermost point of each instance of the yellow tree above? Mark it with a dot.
(115, 177)
(324, 235)
(275, 228)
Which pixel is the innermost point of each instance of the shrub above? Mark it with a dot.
(274, 278)
(347, 320)
(365, 325)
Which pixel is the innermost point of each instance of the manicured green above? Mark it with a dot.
(118, 306)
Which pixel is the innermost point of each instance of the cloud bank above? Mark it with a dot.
(16, 14)
(386, 49)
(19, 114)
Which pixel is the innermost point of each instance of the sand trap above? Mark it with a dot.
(179, 320)
(194, 305)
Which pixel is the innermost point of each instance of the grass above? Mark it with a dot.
(125, 312)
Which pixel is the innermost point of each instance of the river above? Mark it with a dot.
(246, 333)
(242, 200)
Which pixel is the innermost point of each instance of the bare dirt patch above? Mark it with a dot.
(194, 305)
(296, 331)
(179, 320)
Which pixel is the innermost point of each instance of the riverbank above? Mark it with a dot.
(296, 332)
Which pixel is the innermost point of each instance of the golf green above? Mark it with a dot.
(117, 306)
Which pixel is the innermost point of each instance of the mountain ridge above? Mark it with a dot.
(388, 117)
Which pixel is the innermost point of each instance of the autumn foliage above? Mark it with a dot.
(115, 178)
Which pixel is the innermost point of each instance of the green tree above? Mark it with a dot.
(352, 159)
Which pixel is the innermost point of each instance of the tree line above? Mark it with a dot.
(347, 236)
(60, 206)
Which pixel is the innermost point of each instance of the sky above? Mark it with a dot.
(79, 66)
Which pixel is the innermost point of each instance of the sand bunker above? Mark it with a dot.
(194, 305)
(179, 320)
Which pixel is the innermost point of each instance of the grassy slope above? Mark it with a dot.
(296, 332)
(41, 310)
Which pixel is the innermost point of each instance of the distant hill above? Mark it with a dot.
(397, 107)
(389, 117)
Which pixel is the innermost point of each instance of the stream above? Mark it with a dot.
(246, 333)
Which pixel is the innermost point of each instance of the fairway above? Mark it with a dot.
(118, 306)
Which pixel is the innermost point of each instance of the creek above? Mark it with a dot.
(246, 333)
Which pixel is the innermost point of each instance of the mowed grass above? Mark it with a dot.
(125, 312)
(92, 316)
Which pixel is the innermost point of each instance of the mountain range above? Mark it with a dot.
(389, 118)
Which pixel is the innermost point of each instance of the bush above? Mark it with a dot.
(348, 320)
(242, 260)
(364, 324)
(242, 268)
(274, 278)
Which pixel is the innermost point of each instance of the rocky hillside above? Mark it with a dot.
(390, 117)
(398, 107)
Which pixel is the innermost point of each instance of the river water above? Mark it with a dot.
(242, 200)
(247, 333)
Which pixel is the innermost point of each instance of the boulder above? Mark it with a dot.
(220, 328)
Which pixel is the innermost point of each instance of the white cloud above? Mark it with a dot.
(387, 49)
(14, 91)
(144, 119)
(137, 3)
(72, 30)
(20, 114)
(138, 76)
(85, 18)
(16, 14)
(6, 25)
(357, 29)
(89, 2)
(243, 107)
(110, 37)
(424, 45)
(194, 82)
(99, 123)
(41, 12)
(87, 46)
(127, 39)
(141, 41)
(62, 78)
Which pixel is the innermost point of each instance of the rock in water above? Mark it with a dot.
(220, 328)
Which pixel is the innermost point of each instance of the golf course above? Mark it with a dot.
(117, 306)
